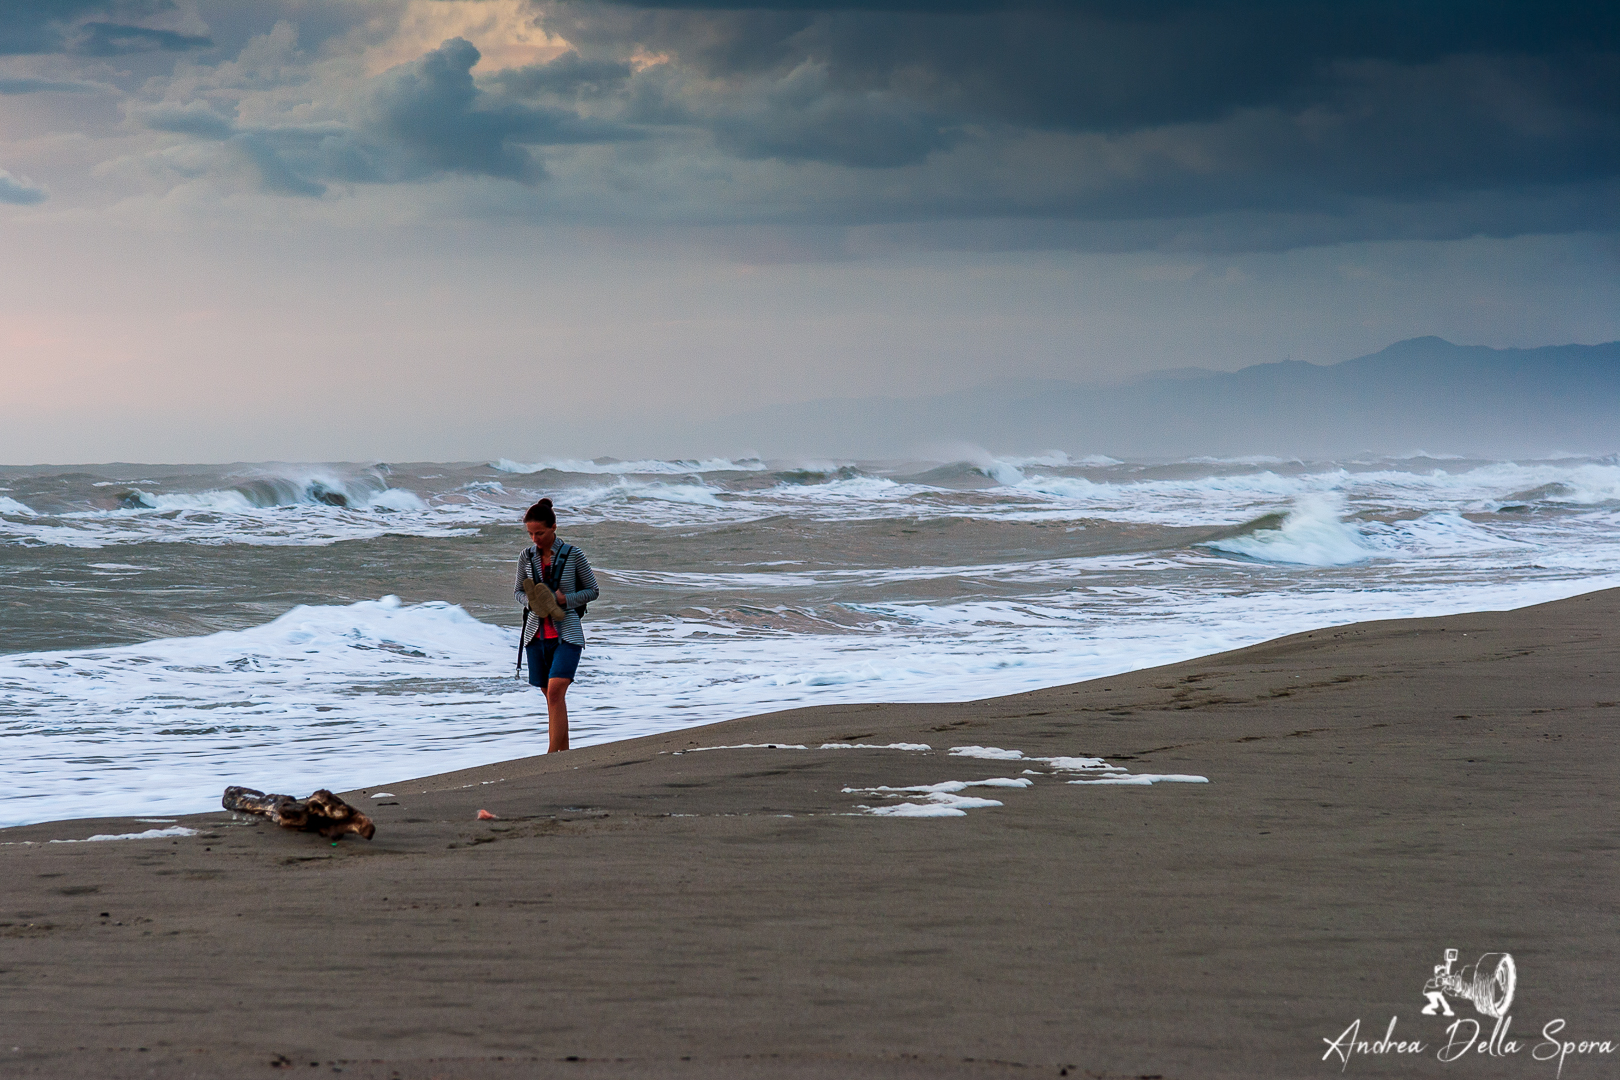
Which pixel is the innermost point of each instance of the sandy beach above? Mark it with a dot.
(1376, 794)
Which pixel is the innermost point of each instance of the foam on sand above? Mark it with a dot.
(745, 746)
(149, 834)
(939, 800)
(1146, 779)
(996, 753)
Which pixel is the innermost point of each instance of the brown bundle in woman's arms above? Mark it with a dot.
(542, 601)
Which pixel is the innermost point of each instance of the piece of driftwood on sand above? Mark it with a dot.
(322, 812)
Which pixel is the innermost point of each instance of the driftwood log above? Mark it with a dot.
(322, 812)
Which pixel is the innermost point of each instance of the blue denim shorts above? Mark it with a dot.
(557, 658)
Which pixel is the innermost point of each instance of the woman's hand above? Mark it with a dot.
(562, 599)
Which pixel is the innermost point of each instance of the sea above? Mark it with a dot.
(166, 631)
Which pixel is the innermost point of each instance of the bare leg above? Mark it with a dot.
(557, 713)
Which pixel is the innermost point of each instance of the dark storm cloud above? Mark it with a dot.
(1295, 123)
(37, 26)
(430, 114)
(569, 75)
(117, 39)
(1309, 109)
(417, 120)
(48, 26)
(1105, 66)
(801, 117)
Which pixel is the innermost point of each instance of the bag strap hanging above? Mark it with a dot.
(534, 575)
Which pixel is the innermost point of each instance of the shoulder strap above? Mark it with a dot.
(529, 554)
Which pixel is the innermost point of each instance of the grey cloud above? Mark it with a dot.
(569, 75)
(1109, 66)
(415, 121)
(50, 86)
(803, 118)
(17, 193)
(195, 118)
(1108, 111)
(117, 39)
(54, 26)
(1165, 123)
(275, 174)
(430, 117)
(430, 113)
(37, 26)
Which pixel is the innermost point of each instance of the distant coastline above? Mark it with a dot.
(1419, 395)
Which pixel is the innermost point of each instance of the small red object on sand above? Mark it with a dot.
(485, 815)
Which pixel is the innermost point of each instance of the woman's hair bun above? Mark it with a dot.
(542, 512)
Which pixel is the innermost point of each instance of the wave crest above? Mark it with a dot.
(268, 492)
(1312, 533)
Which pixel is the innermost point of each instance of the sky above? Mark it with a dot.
(453, 229)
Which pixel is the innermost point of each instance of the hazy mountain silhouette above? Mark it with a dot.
(1421, 394)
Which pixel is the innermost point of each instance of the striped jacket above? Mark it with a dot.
(578, 584)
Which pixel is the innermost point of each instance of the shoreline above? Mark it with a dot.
(1377, 792)
(177, 815)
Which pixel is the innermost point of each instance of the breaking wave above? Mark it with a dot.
(690, 494)
(264, 493)
(1312, 533)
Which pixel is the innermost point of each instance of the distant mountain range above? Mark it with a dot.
(1424, 394)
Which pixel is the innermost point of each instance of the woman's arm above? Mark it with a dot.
(517, 590)
(585, 590)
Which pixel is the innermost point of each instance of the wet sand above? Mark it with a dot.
(1377, 793)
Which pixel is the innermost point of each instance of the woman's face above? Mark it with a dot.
(541, 534)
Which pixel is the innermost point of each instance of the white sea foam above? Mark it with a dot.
(276, 512)
(12, 506)
(1003, 472)
(1074, 764)
(745, 746)
(1312, 533)
(689, 494)
(397, 499)
(379, 692)
(937, 800)
(361, 695)
(149, 834)
(914, 746)
(644, 467)
(847, 489)
(1054, 459)
(1145, 779)
(289, 508)
(996, 753)
(989, 753)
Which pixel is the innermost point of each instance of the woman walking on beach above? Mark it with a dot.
(554, 583)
